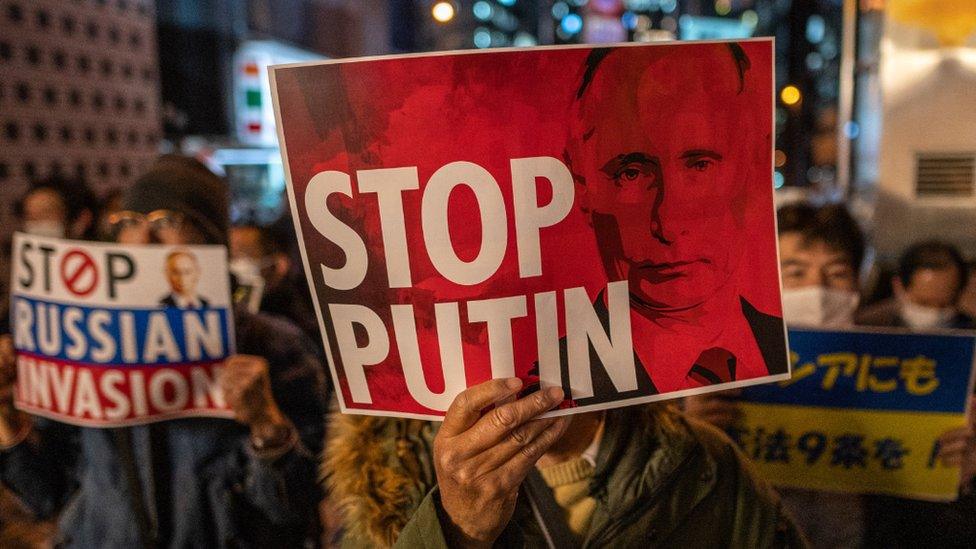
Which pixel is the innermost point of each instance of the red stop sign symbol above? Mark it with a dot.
(79, 273)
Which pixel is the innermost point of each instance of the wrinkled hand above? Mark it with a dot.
(719, 409)
(246, 385)
(481, 458)
(12, 420)
(957, 447)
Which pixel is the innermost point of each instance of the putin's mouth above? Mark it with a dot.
(663, 272)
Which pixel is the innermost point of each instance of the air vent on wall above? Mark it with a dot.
(945, 174)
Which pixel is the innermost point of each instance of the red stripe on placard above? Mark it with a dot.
(106, 396)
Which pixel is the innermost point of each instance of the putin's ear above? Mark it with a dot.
(583, 199)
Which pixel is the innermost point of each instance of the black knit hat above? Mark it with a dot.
(184, 185)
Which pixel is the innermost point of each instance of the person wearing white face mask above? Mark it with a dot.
(57, 207)
(821, 250)
(267, 278)
(930, 277)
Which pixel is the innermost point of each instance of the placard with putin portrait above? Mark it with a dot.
(596, 218)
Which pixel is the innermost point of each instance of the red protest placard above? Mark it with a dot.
(596, 218)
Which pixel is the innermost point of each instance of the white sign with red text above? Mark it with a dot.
(109, 335)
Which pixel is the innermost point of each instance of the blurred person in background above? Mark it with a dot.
(931, 277)
(110, 205)
(821, 250)
(259, 259)
(196, 482)
(967, 298)
(58, 207)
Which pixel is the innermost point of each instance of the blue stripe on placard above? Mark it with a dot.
(874, 371)
(98, 335)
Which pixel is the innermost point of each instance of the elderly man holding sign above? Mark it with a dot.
(668, 167)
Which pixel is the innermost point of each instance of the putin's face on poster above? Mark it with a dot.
(662, 158)
(183, 276)
(657, 143)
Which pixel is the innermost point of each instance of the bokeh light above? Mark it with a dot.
(790, 95)
(482, 38)
(443, 12)
(572, 23)
(482, 10)
(779, 158)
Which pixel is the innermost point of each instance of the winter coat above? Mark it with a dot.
(188, 482)
(661, 480)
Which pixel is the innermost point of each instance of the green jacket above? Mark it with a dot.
(661, 479)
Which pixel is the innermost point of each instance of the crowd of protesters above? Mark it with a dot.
(661, 474)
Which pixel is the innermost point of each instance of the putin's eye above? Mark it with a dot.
(701, 160)
(633, 172)
(700, 164)
(629, 174)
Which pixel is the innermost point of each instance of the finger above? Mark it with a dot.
(719, 414)
(957, 434)
(8, 355)
(972, 412)
(234, 362)
(951, 460)
(953, 448)
(722, 421)
(467, 406)
(499, 454)
(497, 424)
(720, 406)
(515, 469)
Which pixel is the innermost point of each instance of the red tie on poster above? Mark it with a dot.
(595, 218)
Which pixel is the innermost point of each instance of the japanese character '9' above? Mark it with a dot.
(812, 445)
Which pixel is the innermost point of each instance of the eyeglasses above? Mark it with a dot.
(158, 221)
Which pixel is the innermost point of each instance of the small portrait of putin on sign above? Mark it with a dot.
(664, 149)
(182, 271)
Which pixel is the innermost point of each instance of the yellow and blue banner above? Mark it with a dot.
(862, 413)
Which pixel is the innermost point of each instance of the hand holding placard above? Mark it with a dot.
(246, 386)
(481, 460)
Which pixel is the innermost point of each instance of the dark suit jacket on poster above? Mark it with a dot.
(170, 301)
(767, 329)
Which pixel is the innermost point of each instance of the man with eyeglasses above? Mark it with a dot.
(195, 482)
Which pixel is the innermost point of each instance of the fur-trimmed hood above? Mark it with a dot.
(378, 470)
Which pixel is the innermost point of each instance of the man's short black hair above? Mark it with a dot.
(597, 55)
(931, 254)
(831, 224)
